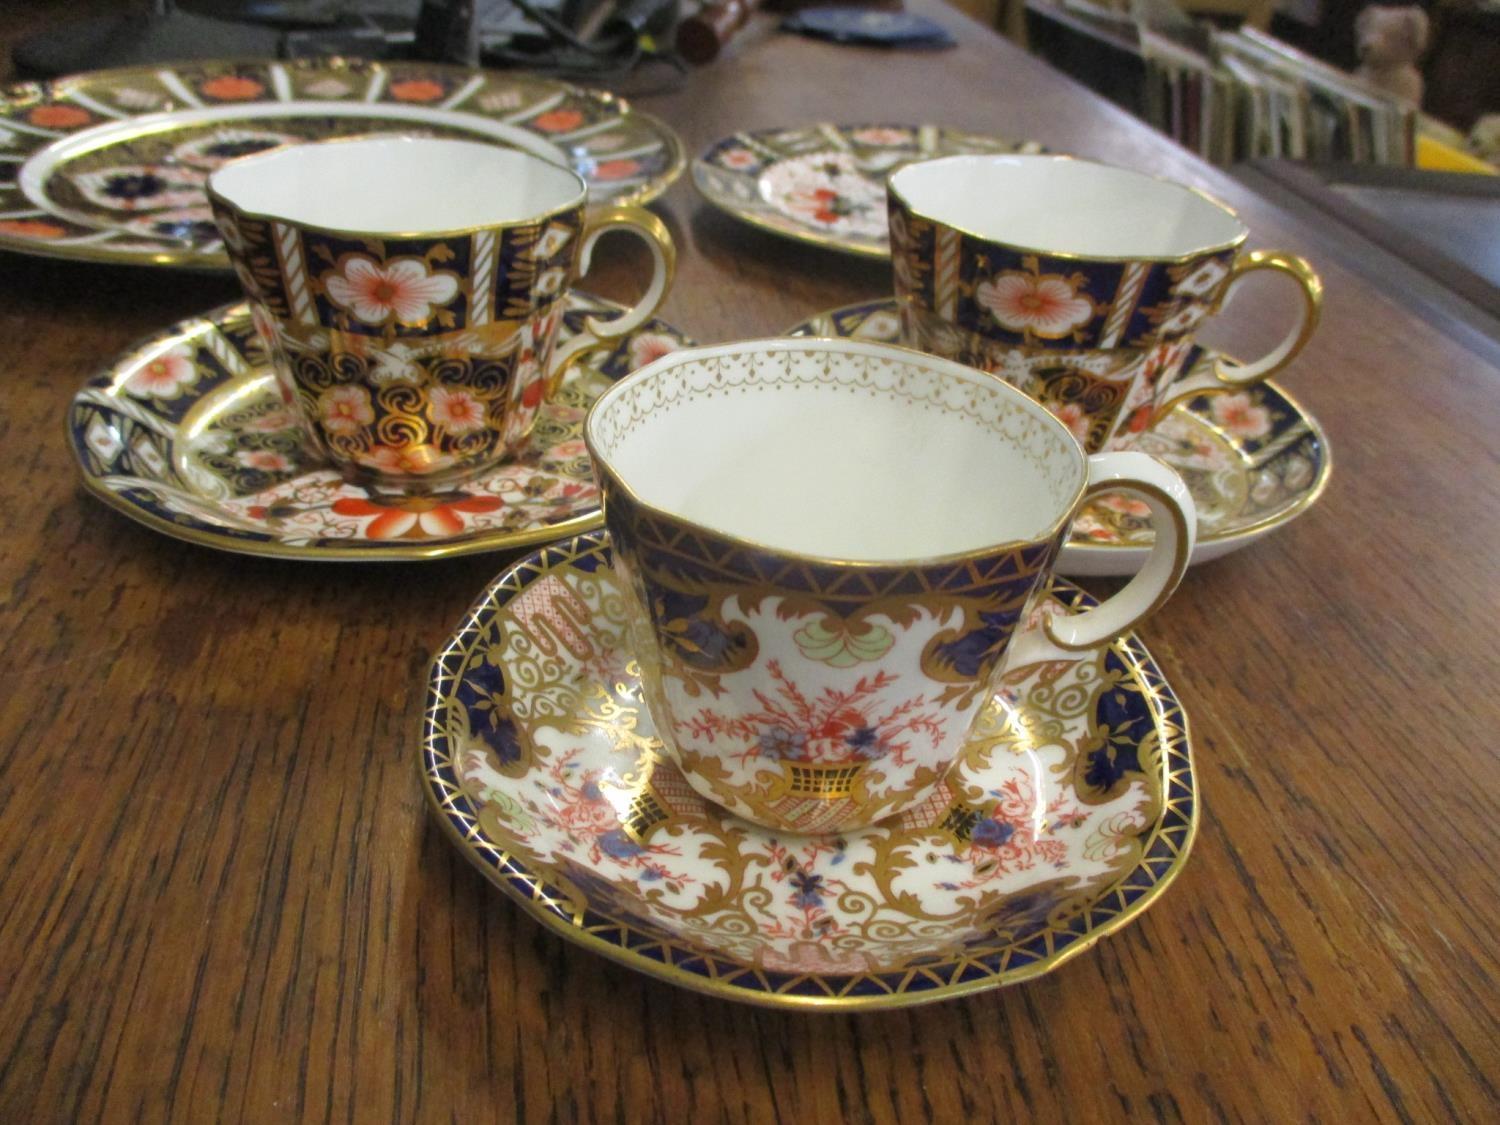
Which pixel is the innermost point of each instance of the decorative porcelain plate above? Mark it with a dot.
(1069, 812)
(186, 432)
(109, 166)
(825, 184)
(1254, 461)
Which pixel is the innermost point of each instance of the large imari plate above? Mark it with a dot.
(823, 183)
(110, 165)
(1069, 812)
(187, 433)
(1254, 460)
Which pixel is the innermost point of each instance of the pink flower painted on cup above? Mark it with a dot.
(650, 346)
(374, 292)
(165, 375)
(266, 460)
(417, 517)
(1046, 306)
(1239, 414)
(343, 410)
(456, 411)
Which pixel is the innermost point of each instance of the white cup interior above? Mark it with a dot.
(1061, 205)
(838, 450)
(397, 185)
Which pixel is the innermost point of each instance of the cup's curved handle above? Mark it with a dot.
(1174, 518)
(1226, 376)
(600, 331)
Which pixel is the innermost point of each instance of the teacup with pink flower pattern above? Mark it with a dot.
(1081, 284)
(410, 291)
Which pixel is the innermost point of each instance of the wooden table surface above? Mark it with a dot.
(221, 897)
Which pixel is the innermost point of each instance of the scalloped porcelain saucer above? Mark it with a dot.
(1254, 461)
(110, 165)
(1069, 812)
(824, 183)
(186, 433)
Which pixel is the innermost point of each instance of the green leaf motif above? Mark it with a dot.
(839, 646)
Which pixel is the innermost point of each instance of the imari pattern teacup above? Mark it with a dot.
(830, 551)
(410, 291)
(1079, 283)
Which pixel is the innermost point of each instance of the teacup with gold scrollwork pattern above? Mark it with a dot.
(410, 291)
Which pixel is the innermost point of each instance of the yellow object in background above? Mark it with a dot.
(1438, 156)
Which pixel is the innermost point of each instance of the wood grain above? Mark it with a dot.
(220, 897)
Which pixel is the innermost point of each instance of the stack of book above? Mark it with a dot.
(1226, 95)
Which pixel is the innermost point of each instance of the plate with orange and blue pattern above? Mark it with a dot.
(110, 166)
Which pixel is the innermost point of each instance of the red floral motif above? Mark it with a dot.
(558, 120)
(1073, 416)
(272, 422)
(409, 460)
(1125, 505)
(1013, 838)
(59, 116)
(649, 346)
(266, 460)
(417, 90)
(833, 728)
(616, 169)
(1140, 419)
(457, 411)
(417, 517)
(577, 804)
(31, 228)
(881, 135)
(233, 88)
(737, 158)
(165, 374)
(825, 205)
(374, 291)
(1239, 414)
(344, 409)
(1048, 306)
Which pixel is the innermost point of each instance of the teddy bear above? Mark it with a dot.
(1390, 40)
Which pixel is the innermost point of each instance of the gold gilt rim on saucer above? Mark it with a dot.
(1163, 853)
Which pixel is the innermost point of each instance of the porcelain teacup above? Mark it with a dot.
(831, 550)
(410, 291)
(1081, 284)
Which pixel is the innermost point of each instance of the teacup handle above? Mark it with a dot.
(600, 331)
(1174, 518)
(1226, 376)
